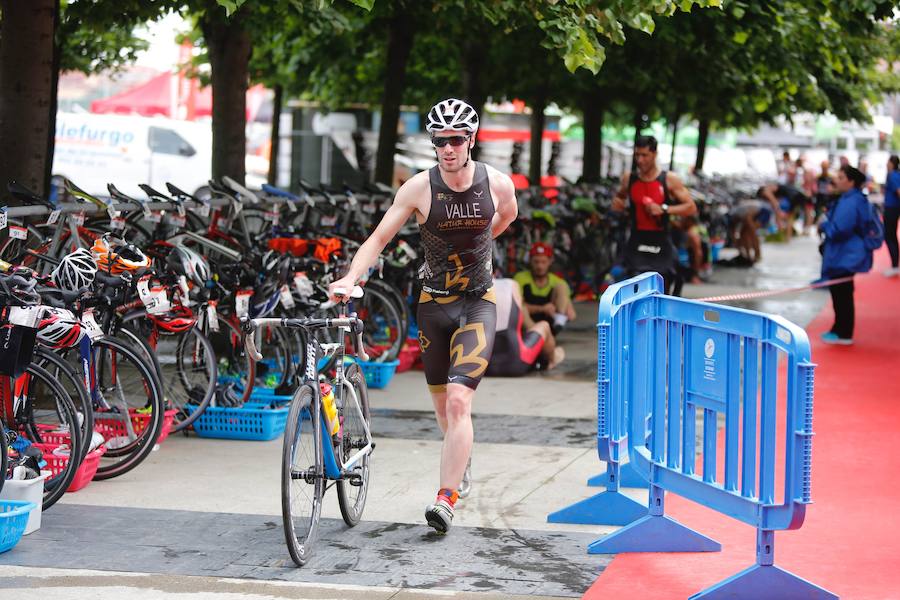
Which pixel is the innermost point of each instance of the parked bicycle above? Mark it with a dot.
(327, 440)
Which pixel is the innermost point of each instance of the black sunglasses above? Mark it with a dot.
(453, 140)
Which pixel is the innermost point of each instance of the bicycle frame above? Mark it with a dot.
(13, 393)
(335, 468)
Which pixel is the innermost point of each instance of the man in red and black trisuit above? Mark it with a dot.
(651, 195)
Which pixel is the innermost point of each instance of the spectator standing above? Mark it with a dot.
(844, 252)
(892, 213)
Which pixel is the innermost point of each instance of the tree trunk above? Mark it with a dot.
(638, 122)
(638, 127)
(537, 140)
(275, 138)
(54, 101)
(701, 145)
(593, 137)
(674, 140)
(26, 74)
(228, 44)
(472, 85)
(400, 41)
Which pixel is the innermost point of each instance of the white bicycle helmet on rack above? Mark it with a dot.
(75, 270)
(59, 328)
(189, 263)
(452, 114)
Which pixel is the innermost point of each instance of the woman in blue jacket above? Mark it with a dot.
(844, 253)
(892, 214)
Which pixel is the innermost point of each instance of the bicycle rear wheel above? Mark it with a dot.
(236, 369)
(4, 454)
(73, 382)
(352, 496)
(384, 333)
(302, 474)
(49, 419)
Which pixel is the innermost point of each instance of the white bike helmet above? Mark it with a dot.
(75, 270)
(59, 328)
(452, 114)
(189, 263)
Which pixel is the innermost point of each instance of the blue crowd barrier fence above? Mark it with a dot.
(612, 507)
(674, 360)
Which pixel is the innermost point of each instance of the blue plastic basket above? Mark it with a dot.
(13, 519)
(268, 395)
(378, 374)
(253, 421)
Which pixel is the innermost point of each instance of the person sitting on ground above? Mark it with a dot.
(547, 296)
(520, 343)
(790, 201)
(744, 219)
(687, 234)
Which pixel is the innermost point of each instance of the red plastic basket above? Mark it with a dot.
(113, 428)
(409, 354)
(168, 419)
(85, 472)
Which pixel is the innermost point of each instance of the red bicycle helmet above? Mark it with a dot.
(177, 320)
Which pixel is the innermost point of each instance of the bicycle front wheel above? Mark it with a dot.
(302, 474)
(354, 416)
(130, 406)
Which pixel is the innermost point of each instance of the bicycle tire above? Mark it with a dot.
(13, 250)
(178, 390)
(276, 350)
(4, 455)
(400, 304)
(233, 360)
(202, 394)
(73, 382)
(46, 398)
(120, 459)
(300, 530)
(352, 439)
(380, 315)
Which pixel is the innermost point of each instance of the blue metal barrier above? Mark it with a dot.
(612, 507)
(675, 356)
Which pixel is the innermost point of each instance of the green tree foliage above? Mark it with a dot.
(96, 36)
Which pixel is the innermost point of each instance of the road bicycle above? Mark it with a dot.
(319, 452)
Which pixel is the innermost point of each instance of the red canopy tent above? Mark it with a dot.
(158, 95)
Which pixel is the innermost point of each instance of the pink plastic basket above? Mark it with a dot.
(85, 473)
(113, 428)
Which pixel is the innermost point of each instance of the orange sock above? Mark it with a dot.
(447, 496)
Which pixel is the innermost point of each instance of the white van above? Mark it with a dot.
(93, 150)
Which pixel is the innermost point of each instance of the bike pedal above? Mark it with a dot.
(355, 480)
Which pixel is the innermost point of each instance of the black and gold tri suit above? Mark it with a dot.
(457, 307)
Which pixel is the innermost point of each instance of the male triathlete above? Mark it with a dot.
(460, 205)
(654, 195)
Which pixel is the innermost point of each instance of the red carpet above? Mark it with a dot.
(850, 541)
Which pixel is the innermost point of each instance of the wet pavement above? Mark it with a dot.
(201, 518)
